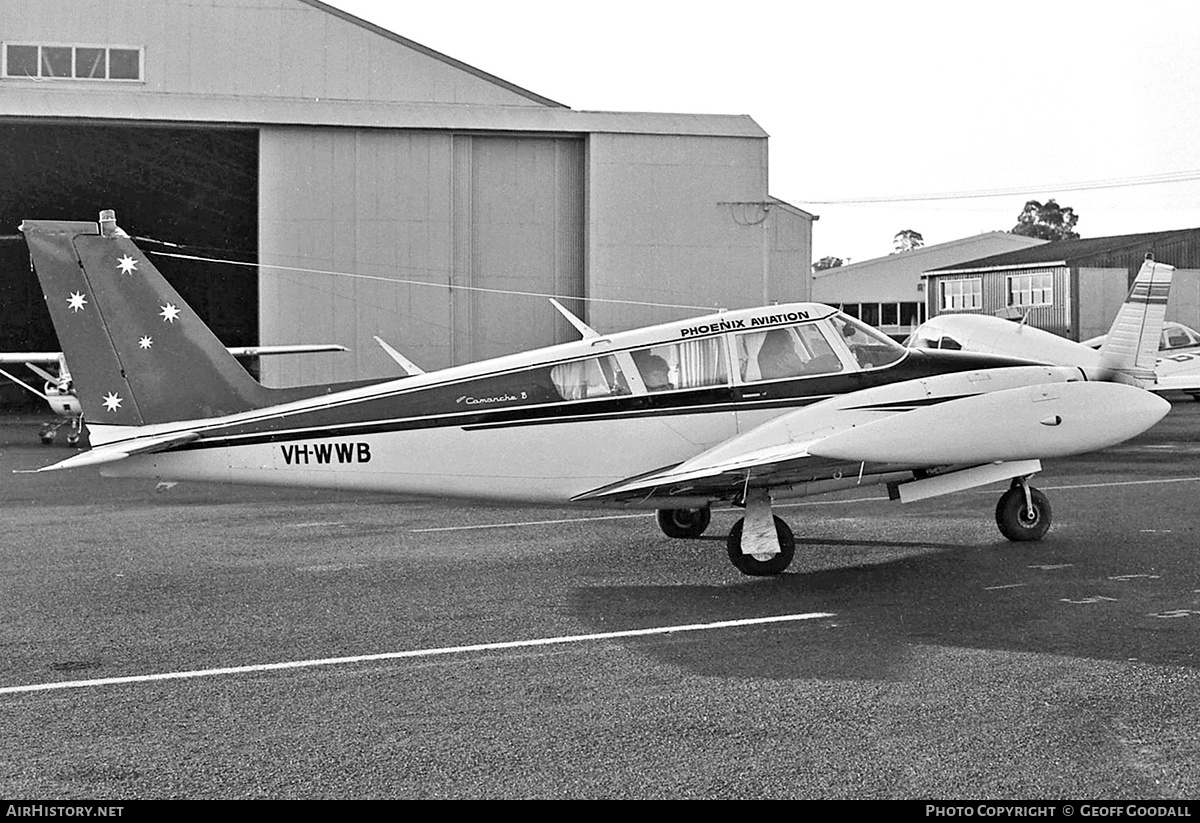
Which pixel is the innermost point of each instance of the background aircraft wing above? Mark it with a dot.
(1178, 372)
(48, 358)
(297, 348)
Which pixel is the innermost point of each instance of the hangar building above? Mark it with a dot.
(348, 176)
(1071, 287)
(889, 292)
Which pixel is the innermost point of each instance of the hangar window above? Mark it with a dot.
(1031, 289)
(961, 295)
(57, 62)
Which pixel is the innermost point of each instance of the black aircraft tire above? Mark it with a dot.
(685, 523)
(1013, 517)
(750, 565)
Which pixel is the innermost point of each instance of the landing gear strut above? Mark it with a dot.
(687, 523)
(762, 565)
(50, 430)
(1023, 513)
(760, 544)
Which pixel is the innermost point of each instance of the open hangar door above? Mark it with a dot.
(195, 187)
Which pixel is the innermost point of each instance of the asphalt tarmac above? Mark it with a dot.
(234, 642)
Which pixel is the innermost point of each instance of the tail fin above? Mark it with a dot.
(1132, 344)
(138, 353)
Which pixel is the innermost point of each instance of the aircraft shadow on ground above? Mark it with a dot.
(955, 597)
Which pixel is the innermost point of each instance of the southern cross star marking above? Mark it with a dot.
(77, 301)
(145, 343)
(169, 313)
(112, 401)
(127, 264)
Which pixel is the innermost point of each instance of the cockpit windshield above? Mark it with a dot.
(871, 347)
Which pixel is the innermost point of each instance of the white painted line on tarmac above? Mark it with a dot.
(1122, 483)
(368, 658)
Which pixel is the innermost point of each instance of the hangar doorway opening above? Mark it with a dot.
(195, 187)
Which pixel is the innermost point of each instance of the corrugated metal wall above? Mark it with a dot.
(518, 227)
(1055, 318)
(268, 48)
(353, 211)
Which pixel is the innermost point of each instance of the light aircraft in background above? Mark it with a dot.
(1178, 366)
(747, 407)
(58, 388)
(1169, 347)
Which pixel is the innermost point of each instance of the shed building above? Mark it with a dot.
(889, 292)
(357, 183)
(1071, 287)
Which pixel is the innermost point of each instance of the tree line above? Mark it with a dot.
(1046, 221)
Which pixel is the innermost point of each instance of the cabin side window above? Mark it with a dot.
(691, 364)
(794, 351)
(594, 377)
(870, 347)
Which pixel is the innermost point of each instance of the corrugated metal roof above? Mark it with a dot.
(138, 106)
(1063, 252)
(914, 259)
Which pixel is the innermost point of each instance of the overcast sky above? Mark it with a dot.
(881, 99)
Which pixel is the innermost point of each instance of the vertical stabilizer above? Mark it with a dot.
(1132, 343)
(138, 353)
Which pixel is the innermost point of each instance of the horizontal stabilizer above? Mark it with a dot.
(119, 451)
(1039, 421)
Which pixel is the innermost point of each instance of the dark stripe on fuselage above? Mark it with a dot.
(441, 405)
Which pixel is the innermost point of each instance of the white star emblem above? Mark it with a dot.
(112, 402)
(77, 301)
(169, 313)
(127, 264)
(145, 342)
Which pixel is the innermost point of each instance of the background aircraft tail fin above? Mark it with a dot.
(138, 353)
(1132, 344)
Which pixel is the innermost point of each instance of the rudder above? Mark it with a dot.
(138, 353)
(1132, 343)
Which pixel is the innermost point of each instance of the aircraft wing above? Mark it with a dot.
(1178, 372)
(299, 348)
(860, 433)
(49, 358)
(120, 450)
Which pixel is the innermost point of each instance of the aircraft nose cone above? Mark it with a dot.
(1125, 411)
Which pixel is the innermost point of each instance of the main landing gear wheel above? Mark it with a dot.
(762, 565)
(684, 522)
(1018, 521)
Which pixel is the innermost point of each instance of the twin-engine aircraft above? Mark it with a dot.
(747, 407)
